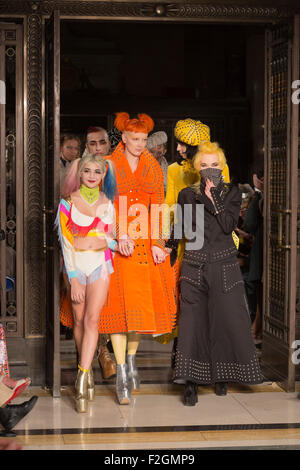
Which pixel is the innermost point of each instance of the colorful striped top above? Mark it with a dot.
(71, 223)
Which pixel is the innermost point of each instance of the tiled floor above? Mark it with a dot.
(260, 417)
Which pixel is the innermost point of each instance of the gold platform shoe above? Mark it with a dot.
(90, 385)
(81, 391)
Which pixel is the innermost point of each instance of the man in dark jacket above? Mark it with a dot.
(253, 224)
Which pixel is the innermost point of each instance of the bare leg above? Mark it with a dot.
(78, 314)
(96, 294)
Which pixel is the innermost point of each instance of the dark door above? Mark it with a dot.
(52, 134)
(11, 180)
(280, 207)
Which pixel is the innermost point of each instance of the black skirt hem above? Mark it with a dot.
(183, 380)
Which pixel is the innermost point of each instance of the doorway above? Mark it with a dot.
(209, 73)
(232, 94)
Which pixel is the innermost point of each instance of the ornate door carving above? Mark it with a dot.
(280, 211)
(52, 101)
(11, 179)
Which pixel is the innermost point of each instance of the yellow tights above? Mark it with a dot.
(122, 340)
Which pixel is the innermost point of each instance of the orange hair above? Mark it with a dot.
(143, 123)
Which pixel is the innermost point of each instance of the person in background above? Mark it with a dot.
(157, 145)
(70, 146)
(11, 414)
(97, 142)
(245, 243)
(253, 224)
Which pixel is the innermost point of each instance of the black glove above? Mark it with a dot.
(173, 257)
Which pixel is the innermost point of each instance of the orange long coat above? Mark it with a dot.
(142, 295)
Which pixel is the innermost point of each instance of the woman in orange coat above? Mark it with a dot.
(141, 295)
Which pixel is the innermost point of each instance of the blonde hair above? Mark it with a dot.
(90, 158)
(210, 148)
(71, 181)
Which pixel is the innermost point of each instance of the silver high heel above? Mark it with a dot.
(133, 372)
(90, 385)
(123, 384)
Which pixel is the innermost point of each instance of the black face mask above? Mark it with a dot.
(214, 174)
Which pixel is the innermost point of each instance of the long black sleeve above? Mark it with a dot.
(227, 211)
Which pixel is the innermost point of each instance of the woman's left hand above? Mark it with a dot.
(209, 185)
(158, 254)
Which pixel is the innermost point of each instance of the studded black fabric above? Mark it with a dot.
(215, 343)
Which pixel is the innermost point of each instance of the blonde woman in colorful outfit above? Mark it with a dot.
(85, 223)
(141, 298)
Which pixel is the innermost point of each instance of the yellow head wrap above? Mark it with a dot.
(191, 132)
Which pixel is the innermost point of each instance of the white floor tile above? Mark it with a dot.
(59, 413)
(277, 407)
(164, 410)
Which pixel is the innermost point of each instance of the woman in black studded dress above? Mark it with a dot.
(215, 344)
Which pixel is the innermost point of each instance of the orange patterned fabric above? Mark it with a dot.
(66, 315)
(142, 295)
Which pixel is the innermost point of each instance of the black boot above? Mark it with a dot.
(221, 388)
(10, 415)
(190, 394)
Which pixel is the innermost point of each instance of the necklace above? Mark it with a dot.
(90, 195)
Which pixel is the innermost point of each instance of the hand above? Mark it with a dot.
(77, 291)
(209, 185)
(9, 444)
(126, 246)
(168, 250)
(242, 233)
(158, 254)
